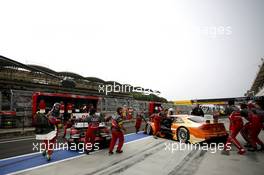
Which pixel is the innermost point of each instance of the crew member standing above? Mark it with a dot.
(245, 130)
(90, 135)
(42, 106)
(67, 125)
(139, 118)
(124, 112)
(67, 117)
(156, 119)
(255, 128)
(197, 111)
(170, 111)
(53, 119)
(117, 132)
(129, 114)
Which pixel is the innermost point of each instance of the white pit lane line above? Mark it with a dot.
(17, 140)
(59, 161)
(29, 154)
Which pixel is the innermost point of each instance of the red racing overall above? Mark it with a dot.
(91, 131)
(42, 106)
(255, 127)
(117, 133)
(245, 132)
(157, 120)
(49, 144)
(138, 122)
(53, 119)
(236, 124)
(67, 125)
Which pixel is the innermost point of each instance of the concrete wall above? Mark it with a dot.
(21, 102)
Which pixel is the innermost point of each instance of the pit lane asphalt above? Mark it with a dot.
(149, 156)
(24, 145)
(145, 156)
(31, 161)
(16, 147)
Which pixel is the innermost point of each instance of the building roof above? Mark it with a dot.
(9, 63)
(71, 74)
(6, 62)
(42, 68)
(259, 80)
(94, 79)
(12, 64)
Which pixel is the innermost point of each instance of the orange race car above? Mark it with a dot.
(189, 128)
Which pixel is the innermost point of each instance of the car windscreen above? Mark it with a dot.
(196, 119)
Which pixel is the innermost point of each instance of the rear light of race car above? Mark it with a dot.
(205, 127)
(213, 127)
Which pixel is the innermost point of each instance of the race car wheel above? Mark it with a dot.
(223, 139)
(183, 135)
(149, 129)
(104, 144)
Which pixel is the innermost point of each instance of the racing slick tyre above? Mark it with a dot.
(223, 139)
(104, 144)
(149, 129)
(183, 135)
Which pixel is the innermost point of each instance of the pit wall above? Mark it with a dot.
(20, 101)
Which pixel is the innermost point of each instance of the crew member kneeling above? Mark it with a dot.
(236, 124)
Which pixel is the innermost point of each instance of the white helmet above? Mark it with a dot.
(171, 110)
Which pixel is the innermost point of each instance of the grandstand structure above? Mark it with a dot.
(257, 88)
(19, 83)
(30, 77)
